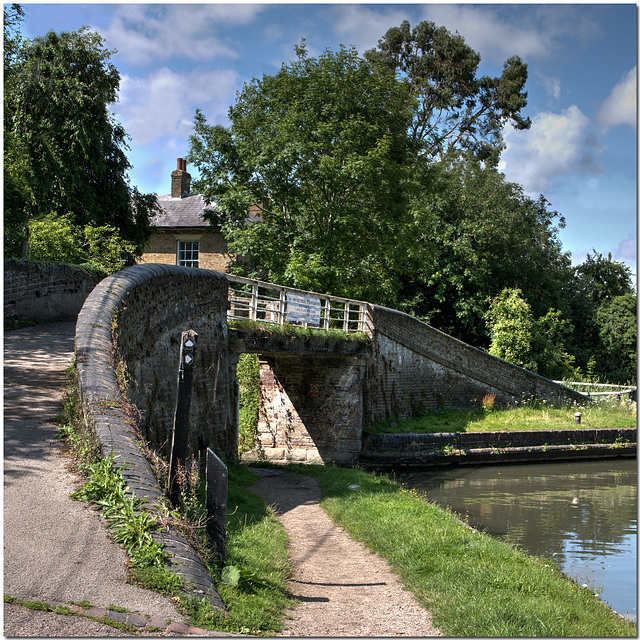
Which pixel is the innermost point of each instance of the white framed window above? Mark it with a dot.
(188, 253)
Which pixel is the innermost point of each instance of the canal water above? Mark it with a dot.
(583, 515)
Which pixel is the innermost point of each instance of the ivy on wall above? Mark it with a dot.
(248, 376)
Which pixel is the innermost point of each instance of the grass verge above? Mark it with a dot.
(253, 583)
(473, 584)
(536, 416)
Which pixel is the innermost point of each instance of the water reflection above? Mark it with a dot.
(581, 514)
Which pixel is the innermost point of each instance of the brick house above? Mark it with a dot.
(181, 235)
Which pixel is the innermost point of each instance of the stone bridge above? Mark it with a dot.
(317, 394)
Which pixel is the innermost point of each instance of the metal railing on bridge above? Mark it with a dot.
(265, 302)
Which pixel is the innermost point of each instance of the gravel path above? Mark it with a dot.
(54, 548)
(343, 588)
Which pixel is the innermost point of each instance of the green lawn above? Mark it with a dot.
(539, 416)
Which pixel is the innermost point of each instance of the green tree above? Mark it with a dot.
(511, 325)
(473, 235)
(456, 109)
(617, 321)
(535, 344)
(321, 147)
(594, 283)
(601, 278)
(55, 238)
(64, 151)
(551, 335)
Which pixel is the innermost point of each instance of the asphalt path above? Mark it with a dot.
(55, 548)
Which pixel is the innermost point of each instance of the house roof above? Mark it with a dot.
(181, 212)
(187, 212)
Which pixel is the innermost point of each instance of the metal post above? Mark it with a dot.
(216, 490)
(180, 430)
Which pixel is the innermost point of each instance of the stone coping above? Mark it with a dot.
(106, 408)
(427, 450)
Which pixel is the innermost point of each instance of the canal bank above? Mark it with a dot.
(473, 584)
(580, 515)
(413, 451)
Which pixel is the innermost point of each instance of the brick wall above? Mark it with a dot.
(143, 310)
(44, 291)
(162, 248)
(416, 367)
(310, 408)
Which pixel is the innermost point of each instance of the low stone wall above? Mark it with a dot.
(128, 335)
(45, 291)
(425, 450)
(415, 367)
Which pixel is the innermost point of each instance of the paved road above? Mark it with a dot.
(54, 548)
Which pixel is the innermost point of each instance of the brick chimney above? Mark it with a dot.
(180, 180)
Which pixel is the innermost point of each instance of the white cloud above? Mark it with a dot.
(362, 26)
(163, 103)
(620, 106)
(552, 85)
(486, 33)
(626, 250)
(556, 145)
(154, 33)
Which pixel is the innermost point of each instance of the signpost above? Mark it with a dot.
(180, 429)
(216, 491)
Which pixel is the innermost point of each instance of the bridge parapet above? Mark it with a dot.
(271, 303)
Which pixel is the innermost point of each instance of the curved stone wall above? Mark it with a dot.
(46, 291)
(127, 337)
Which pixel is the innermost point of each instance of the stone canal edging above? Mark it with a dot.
(415, 450)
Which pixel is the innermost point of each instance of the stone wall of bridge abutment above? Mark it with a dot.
(415, 367)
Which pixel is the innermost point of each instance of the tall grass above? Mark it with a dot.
(257, 548)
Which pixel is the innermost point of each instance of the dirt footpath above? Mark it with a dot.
(343, 588)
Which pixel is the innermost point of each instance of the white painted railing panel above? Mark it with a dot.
(266, 302)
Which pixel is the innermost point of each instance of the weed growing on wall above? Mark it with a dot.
(80, 437)
(130, 525)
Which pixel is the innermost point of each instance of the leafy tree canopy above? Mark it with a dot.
(64, 151)
(56, 238)
(601, 278)
(511, 325)
(475, 234)
(456, 109)
(321, 147)
(617, 320)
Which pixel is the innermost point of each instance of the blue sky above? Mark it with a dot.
(580, 152)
